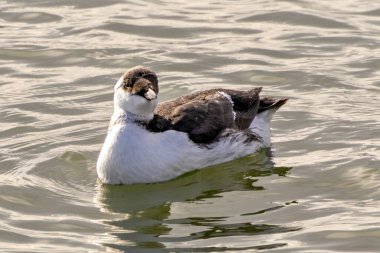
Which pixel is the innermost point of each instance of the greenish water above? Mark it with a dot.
(315, 190)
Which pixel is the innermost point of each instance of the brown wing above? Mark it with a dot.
(246, 105)
(202, 115)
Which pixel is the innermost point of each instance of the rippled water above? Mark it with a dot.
(318, 190)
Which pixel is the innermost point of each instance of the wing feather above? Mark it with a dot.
(203, 116)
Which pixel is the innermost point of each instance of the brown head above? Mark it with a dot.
(137, 90)
(139, 80)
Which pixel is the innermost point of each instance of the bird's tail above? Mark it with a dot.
(268, 106)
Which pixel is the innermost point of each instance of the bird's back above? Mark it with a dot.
(203, 115)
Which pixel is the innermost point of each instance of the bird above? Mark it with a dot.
(151, 142)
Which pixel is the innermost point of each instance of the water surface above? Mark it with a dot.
(316, 190)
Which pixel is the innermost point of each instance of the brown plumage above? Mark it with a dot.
(139, 79)
(204, 114)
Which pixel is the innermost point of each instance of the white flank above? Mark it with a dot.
(131, 154)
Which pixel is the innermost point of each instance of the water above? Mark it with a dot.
(316, 190)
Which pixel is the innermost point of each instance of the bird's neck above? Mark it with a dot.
(130, 117)
(124, 117)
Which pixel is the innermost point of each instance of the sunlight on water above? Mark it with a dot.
(316, 191)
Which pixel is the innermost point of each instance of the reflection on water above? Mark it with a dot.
(59, 61)
(152, 210)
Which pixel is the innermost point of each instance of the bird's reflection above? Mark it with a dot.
(146, 208)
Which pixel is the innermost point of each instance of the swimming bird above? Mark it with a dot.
(149, 142)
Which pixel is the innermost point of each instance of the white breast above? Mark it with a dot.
(131, 154)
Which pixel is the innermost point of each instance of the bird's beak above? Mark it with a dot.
(150, 95)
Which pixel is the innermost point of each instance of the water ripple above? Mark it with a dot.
(316, 188)
(296, 18)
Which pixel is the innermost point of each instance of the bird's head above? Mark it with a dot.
(136, 91)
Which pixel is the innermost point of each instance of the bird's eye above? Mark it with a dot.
(125, 83)
(136, 77)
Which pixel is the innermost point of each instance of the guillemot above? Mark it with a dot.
(149, 142)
